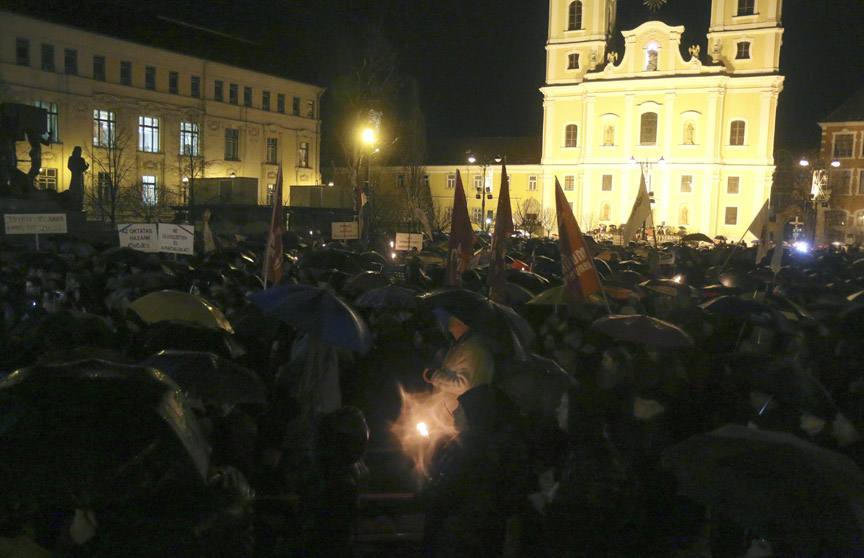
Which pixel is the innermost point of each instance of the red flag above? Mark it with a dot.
(580, 275)
(461, 247)
(272, 270)
(503, 230)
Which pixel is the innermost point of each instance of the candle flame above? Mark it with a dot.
(425, 422)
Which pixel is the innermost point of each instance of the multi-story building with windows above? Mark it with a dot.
(700, 125)
(165, 107)
(843, 142)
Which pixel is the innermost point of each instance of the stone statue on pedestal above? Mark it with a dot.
(17, 123)
(77, 166)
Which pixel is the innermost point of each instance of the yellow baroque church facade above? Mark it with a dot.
(700, 126)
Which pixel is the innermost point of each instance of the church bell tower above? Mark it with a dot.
(578, 34)
(746, 35)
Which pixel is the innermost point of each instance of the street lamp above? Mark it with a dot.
(484, 189)
(645, 167)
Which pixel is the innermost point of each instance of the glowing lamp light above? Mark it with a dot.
(802, 247)
(835, 164)
(392, 244)
(804, 163)
(392, 255)
(677, 278)
(423, 429)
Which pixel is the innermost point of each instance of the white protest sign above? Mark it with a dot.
(176, 239)
(139, 236)
(35, 223)
(407, 241)
(345, 231)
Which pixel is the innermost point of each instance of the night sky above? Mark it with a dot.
(480, 63)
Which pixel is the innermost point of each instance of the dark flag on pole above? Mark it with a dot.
(577, 264)
(272, 270)
(461, 247)
(503, 230)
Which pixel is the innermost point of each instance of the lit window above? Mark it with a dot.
(736, 132)
(47, 179)
(189, 139)
(303, 154)
(148, 134)
(148, 190)
(730, 216)
(841, 182)
(648, 129)
(746, 7)
(742, 51)
(569, 183)
(99, 68)
(733, 184)
(22, 52)
(573, 61)
(272, 150)
(606, 186)
(532, 183)
(173, 82)
(451, 181)
(574, 16)
(47, 57)
(233, 94)
(571, 132)
(232, 144)
(70, 61)
(843, 145)
(52, 118)
(150, 77)
(125, 73)
(686, 183)
(104, 127)
(271, 191)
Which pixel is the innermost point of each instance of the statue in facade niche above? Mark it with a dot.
(611, 57)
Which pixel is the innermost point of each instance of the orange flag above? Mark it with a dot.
(461, 247)
(577, 264)
(503, 230)
(272, 270)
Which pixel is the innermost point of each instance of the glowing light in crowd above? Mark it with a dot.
(677, 278)
(425, 423)
(802, 247)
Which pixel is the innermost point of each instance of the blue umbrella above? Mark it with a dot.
(317, 312)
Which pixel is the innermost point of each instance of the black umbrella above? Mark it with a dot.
(531, 281)
(477, 311)
(88, 433)
(184, 336)
(316, 311)
(391, 296)
(696, 237)
(209, 378)
(642, 330)
(749, 311)
(784, 488)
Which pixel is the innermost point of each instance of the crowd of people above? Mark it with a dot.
(704, 404)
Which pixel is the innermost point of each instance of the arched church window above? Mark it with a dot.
(737, 130)
(648, 129)
(609, 134)
(605, 211)
(689, 136)
(571, 132)
(684, 215)
(652, 53)
(574, 16)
